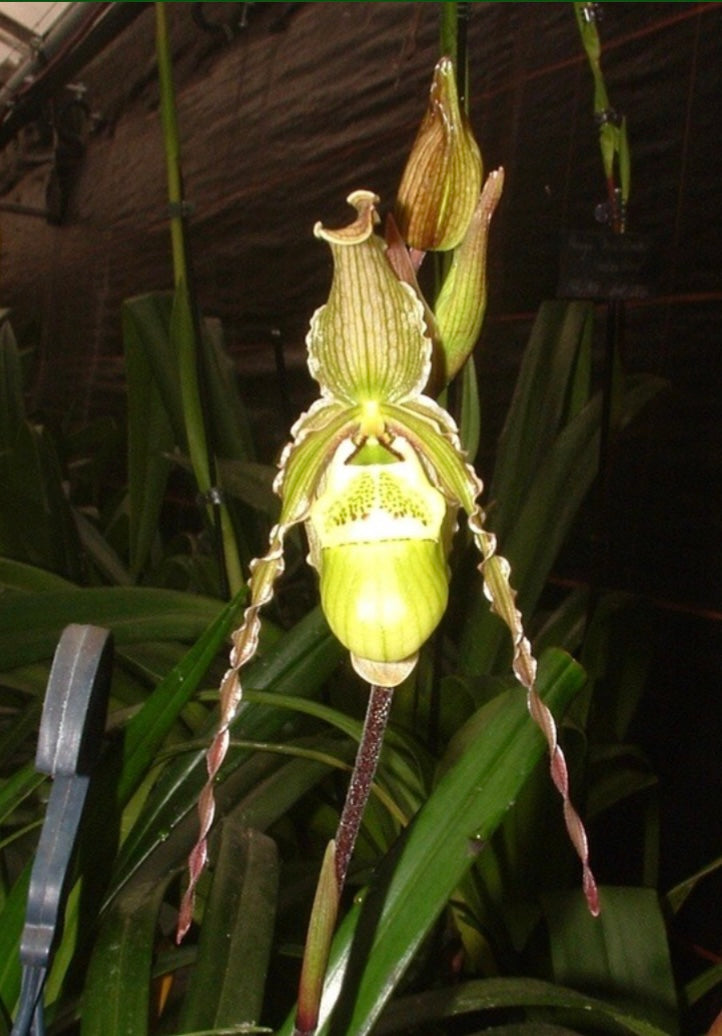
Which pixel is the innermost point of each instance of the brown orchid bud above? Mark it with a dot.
(442, 179)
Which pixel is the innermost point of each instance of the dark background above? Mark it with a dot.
(281, 118)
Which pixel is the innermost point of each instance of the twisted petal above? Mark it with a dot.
(303, 463)
(317, 435)
(369, 342)
(264, 572)
(495, 570)
(433, 434)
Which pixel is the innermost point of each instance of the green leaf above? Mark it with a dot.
(146, 323)
(116, 997)
(185, 345)
(531, 545)
(398, 765)
(617, 656)
(151, 388)
(148, 728)
(261, 788)
(298, 664)
(565, 626)
(11, 925)
(377, 941)
(617, 772)
(232, 437)
(251, 483)
(558, 342)
(16, 788)
(36, 524)
(677, 896)
(24, 724)
(529, 1029)
(701, 985)
(504, 993)
(30, 623)
(470, 424)
(185, 338)
(622, 955)
(625, 162)
(17, 575)
(227, 983)
(12, 405)
(144, 734)
(98, 550)
(545, 515)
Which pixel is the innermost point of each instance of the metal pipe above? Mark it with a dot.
(78, 35)
(44, 49)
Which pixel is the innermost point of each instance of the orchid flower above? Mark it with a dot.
(375, 469)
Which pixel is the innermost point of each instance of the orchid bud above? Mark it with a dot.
(442, 179)
(460, 307)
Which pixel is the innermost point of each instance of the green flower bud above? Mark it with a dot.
(442, 179)
(460, 307)
(376, 535)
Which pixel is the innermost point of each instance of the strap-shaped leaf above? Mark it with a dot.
(623, 955)
(30, 623)
(298, 664)
(503, 993)
(227, 983)
(116, 998)
(150, 428)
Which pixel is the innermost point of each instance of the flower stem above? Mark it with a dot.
(336, 861)
(186, 326)
(364, 770)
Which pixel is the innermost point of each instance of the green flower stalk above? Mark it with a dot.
(613, 137)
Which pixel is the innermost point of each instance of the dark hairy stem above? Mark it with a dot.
(336, 862)
(364, 770)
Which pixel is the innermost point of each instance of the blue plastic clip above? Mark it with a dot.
(69, 742)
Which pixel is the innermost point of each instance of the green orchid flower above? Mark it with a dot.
(376, 472)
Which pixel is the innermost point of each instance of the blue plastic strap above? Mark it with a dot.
(76, 702)
(69, 741)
